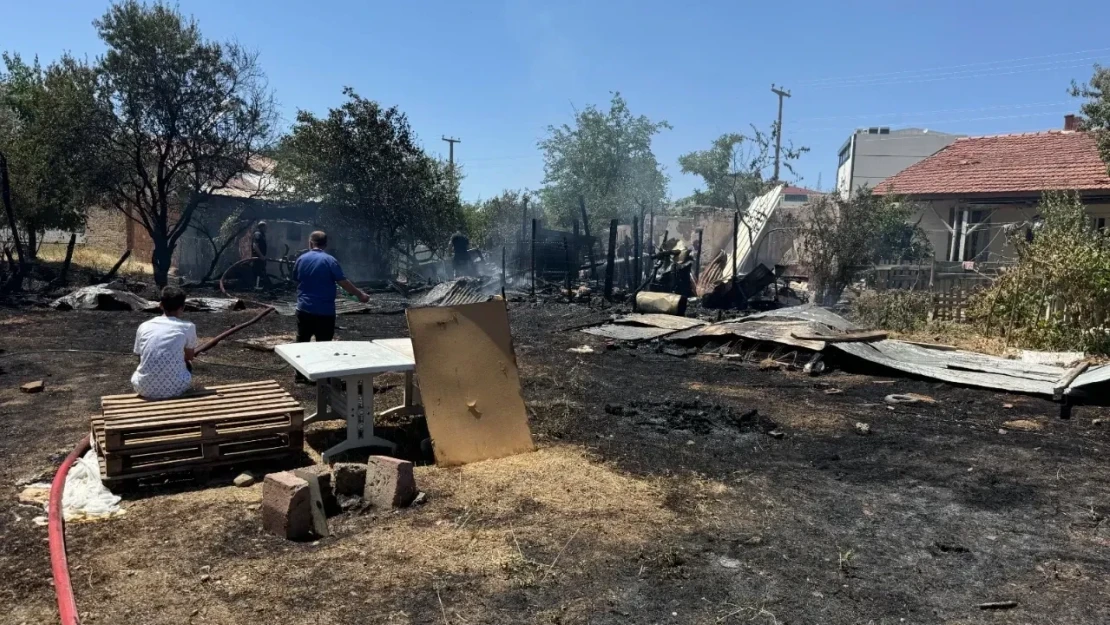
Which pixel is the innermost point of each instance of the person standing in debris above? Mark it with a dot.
(258, 251)
(165, 346)
(316, 273)
(460, 259)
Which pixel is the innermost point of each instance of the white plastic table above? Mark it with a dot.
(344, 374)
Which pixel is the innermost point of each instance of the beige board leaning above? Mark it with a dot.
(469, 382)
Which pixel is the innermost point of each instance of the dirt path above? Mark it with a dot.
(656, 497)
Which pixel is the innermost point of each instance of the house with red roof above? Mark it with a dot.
(975, 190)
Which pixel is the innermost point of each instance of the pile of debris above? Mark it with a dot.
(100, 297)
(801, 335)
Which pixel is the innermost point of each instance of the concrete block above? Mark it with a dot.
(286, 506)
(349, 478)
(321, 473)
(389, 482)
(33, 387)
(316, 500)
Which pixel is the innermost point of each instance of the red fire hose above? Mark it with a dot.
(67, 606)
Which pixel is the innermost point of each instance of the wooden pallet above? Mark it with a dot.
(209, 427)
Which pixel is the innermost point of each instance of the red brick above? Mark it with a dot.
(389, 482)
(286, 506)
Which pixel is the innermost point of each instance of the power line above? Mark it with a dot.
(949, 67)
(959, 110)
(991, 73)
(940, 121)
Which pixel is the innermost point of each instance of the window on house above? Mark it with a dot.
(844, 154)
(796, 197)
(1100, 223)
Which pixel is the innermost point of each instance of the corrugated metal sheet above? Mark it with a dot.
(1092, 376)
(455, 293)
(751, 229)
(712, 275)
(958, 367)
(774, 331)
(808, 312)
(947, 365)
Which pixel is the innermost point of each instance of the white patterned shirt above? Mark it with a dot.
(160, 344)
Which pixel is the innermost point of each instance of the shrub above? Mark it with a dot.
(1057, 296)
(897, 310)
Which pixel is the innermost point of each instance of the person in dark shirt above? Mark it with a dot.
(460, 259)
(316, 273)
(258, 251)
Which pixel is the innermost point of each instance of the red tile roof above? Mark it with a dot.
(799, 191)
(1034, 162)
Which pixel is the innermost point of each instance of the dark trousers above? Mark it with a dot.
(309, 326)
(261, 278)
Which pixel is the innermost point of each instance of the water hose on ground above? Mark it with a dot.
(63, 589)
(67, 606)
(280, 261)
(226, 333)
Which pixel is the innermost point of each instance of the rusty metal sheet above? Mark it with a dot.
(627, 332)
(808, 312)
(758, 330)
(655, 320)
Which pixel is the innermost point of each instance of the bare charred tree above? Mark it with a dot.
(229, 232)
(190, 117)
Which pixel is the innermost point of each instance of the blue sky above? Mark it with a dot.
(497, 73)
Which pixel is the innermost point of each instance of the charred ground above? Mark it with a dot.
(657, 496)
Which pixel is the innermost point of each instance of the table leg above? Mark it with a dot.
(321, 414)
(360, 418)
(410, 406)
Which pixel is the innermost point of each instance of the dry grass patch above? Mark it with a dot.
(96, 259)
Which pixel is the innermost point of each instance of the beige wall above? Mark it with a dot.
(991, 239)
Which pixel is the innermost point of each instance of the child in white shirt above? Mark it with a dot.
(165, 346)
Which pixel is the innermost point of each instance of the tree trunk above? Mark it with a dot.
(64, 274)
(32, 244)
(161, 259)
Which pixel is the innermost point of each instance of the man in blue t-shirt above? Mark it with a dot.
(316, 273)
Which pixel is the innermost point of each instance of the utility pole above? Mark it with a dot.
(451, 153)
(781, 93)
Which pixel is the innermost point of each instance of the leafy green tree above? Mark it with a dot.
(188, 117)
(1096, 110)
(364, 160)
(499, 220)
(49, 121)
(604, 160)
(735, 168)
(841, 238)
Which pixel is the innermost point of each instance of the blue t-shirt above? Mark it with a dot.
(316, 273)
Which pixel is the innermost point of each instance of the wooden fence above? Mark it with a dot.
(952, 285)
